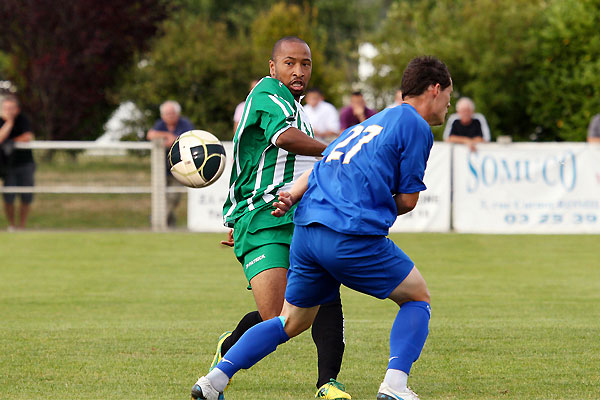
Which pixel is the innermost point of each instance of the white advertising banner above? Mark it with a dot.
(432, 213)
(205, 205)
(527, 188)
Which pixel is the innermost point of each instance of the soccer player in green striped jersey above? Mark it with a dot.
(273, 146)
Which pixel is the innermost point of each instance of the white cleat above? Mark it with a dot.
(203, 389)
(387, 393)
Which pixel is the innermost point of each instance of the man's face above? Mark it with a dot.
(169, 115)
(357, 102)
(10, 110)
(292, 66)
(313, 98)
(465, 113)
(441, 104)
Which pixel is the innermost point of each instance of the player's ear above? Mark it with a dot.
(272, 68)
(435, 89)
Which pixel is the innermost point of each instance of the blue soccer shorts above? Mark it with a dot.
(321, 259)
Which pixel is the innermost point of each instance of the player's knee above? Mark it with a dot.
(267, 313)
(294, 327)
(423, 295)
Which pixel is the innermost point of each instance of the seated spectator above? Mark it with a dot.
(239, 110)
(170, 125)
(322, 115)
(18, 165)
(466, 126)
(356, 112)
(593, 135)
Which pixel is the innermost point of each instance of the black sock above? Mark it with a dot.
(247, 322)
(328, 335)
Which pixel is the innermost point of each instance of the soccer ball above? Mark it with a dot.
(197, 159)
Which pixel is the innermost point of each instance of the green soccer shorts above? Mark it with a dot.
(262, 241)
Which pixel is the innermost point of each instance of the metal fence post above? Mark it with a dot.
(159, 186)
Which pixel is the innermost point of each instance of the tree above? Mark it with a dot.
(286, 20)
(485, 44)
(564, 94)
(64, 59)
(197, 63)
(206, 67)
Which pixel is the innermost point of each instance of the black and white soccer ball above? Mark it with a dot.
(197, 159)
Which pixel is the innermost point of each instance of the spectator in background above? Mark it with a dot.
(356, 112)
(465, 126)
(593, 135)
(322, 115)
(397, 99)
(239, 110)
(170, 125)
(19, 167)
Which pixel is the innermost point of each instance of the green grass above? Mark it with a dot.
(136, 316)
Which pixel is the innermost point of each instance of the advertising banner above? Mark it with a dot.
(432, 213)
(527, 188)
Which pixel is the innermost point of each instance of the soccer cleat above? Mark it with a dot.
(218, 355)
(204, 390)
(387, 393)
(332, 390)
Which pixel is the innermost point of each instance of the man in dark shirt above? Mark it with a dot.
(356, 112)
(19, 166)
(466, 127)
(170, 125)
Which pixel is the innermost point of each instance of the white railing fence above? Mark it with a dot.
(158, 185)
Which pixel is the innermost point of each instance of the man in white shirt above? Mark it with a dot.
(322, 115)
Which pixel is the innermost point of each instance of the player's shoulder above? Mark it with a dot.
(406, 115)
(272, 86)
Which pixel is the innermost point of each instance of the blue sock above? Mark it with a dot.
(408, 335)
(254, 345)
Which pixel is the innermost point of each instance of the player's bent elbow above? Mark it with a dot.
(406, 202)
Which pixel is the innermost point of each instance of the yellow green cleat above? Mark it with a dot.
(218, 355)
(332, 390)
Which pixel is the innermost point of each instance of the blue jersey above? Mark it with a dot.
(351, 189)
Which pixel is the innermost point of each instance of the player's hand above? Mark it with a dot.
(284, 204)
(229, 241)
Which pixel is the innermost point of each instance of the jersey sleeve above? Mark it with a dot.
(276, 114)
(415, 148)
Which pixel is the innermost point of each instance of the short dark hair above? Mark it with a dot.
(281, 41)
(314, 90)
(421, 72)
(357, 93)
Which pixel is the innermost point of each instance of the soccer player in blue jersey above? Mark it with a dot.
(369, 175)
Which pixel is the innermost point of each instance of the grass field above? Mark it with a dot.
(136, 316)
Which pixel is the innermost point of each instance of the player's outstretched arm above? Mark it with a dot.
(288, 199)
(406, 202)
(297, 142)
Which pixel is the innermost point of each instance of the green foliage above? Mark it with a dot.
(206, 67)
(199, 64)
(565, 91)
(66, 59)
(285, 20)
(483, 42)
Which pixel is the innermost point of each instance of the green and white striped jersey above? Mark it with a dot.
(260, 168)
